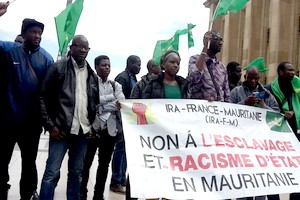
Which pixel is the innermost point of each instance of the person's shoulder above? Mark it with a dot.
(221, 64)
(120, 74)
(113, 82)
(267, 87)
(237, 89)
(144, 78)
(181, 78)
(59, 64)
(194, 58)
(46, 54)
(8, 45)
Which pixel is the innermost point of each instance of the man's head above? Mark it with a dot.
(234, 72)
(252, 77)
(216, 41)
(79, 49)
(286, 71)
(102, 66)
(32, 31)
(19, 39)
(133, 64)
(152, 67)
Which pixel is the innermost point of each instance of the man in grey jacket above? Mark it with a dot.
(107, 129)
(253, 93)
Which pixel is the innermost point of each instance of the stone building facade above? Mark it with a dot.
(263, 28)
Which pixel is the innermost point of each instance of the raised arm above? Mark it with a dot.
(3, 7)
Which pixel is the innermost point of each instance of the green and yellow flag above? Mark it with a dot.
(259, 63)
(225, 6)
(173, 43)
(66, 23)
(277, 122)
(190, 35)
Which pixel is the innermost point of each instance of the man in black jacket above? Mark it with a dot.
(153, 71)
(69, 96)
(127, 79)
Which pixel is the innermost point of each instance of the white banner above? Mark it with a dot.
(195, 149)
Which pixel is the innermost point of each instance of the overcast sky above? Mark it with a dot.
(117, 28)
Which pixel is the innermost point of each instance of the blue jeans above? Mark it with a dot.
(76, 144)
(119, 164)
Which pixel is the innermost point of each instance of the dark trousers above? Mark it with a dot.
(273, 197)
(28, 142)
(105, 145)
(294, 196)
(119, 164)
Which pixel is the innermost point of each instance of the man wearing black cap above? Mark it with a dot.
(24, 71)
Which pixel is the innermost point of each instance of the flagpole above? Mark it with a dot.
(211, 22)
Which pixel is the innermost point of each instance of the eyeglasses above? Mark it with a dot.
(81, 47)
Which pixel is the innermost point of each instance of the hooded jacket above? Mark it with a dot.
(25, 70)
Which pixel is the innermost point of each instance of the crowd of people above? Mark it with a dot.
(79, 106)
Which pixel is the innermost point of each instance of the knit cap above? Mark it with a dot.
(27, 23)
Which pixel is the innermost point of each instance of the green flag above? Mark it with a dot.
(225, 6)
(66, 23)
(259, 63)
(277, 122)
(173, 43)
(164, 45)
(190, 35)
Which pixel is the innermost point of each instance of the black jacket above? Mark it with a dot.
(155, 88)
(58, 95)
(124, 79)
(137, 90)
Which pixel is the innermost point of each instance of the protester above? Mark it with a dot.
(109, 116)
(136, 93)
(285, 88)
(153, 71)
(167, 85)
(207, 75)
(253, 93)
(234, 72)
(69, 96)
(127, 79)
(26, 67)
